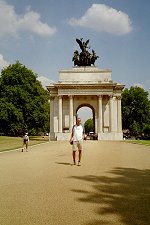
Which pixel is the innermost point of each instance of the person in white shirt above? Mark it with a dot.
(77, 137)
(25, 142)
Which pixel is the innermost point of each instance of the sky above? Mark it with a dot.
(42, 34)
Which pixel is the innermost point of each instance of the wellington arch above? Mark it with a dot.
(85, 85)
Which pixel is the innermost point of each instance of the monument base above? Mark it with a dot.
(85, 75)
(110, 136)
(60, 136)
(101, 136)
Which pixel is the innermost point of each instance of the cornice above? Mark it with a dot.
(86, 69)
(115, 86)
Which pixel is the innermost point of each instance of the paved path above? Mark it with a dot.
(41, 187)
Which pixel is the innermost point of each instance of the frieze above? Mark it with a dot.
(84, 92)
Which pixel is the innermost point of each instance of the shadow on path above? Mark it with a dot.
(63, 163)
(125, 194)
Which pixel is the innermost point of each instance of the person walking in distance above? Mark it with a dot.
(77, 137)
(25, 142)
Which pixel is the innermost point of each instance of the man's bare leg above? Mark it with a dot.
(74, 157)
(80, 155)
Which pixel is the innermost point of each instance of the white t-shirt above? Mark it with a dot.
(26, 137)
(77, 133)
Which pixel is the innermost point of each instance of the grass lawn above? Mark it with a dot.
(10, 143)
(142, 142)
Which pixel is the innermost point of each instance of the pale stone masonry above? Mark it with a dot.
(91, 87)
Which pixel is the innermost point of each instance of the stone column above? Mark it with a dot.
(51, 114)
(111, 113)
(100, 121)
(119, 116)
(60, 114)
(70, 112)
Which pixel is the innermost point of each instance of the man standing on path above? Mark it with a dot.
(77, 137)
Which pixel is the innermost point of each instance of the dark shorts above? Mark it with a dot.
(25, 141)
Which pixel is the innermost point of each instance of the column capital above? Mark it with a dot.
(60, 96)
(100, 96)
(52, 98)
(111, 96)
(70, 96)
(119, 97)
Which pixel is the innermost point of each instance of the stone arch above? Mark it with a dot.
(91, 87)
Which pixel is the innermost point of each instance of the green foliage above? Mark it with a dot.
(23, 101)
(89, 126)
(146, 131)
(135, 110)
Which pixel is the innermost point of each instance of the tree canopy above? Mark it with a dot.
(135, 110)
(89, 125)
(23, 101)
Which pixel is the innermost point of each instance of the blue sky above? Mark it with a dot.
(41, 35)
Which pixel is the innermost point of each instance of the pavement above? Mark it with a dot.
(42, 187)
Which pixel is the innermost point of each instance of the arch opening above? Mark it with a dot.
(87, 114)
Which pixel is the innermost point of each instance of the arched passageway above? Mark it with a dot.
(85, 113)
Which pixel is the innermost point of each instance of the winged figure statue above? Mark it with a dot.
(84, 58)
(83, 45)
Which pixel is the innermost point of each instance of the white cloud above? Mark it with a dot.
(45, 81)
(3, 63)
(12, 24)
(145, 86)
(31, 22)
(138, 85)
(103, 18)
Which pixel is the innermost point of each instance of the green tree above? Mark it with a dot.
(23, 101)
(135, 110)
(89, 126)
(147, 131)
